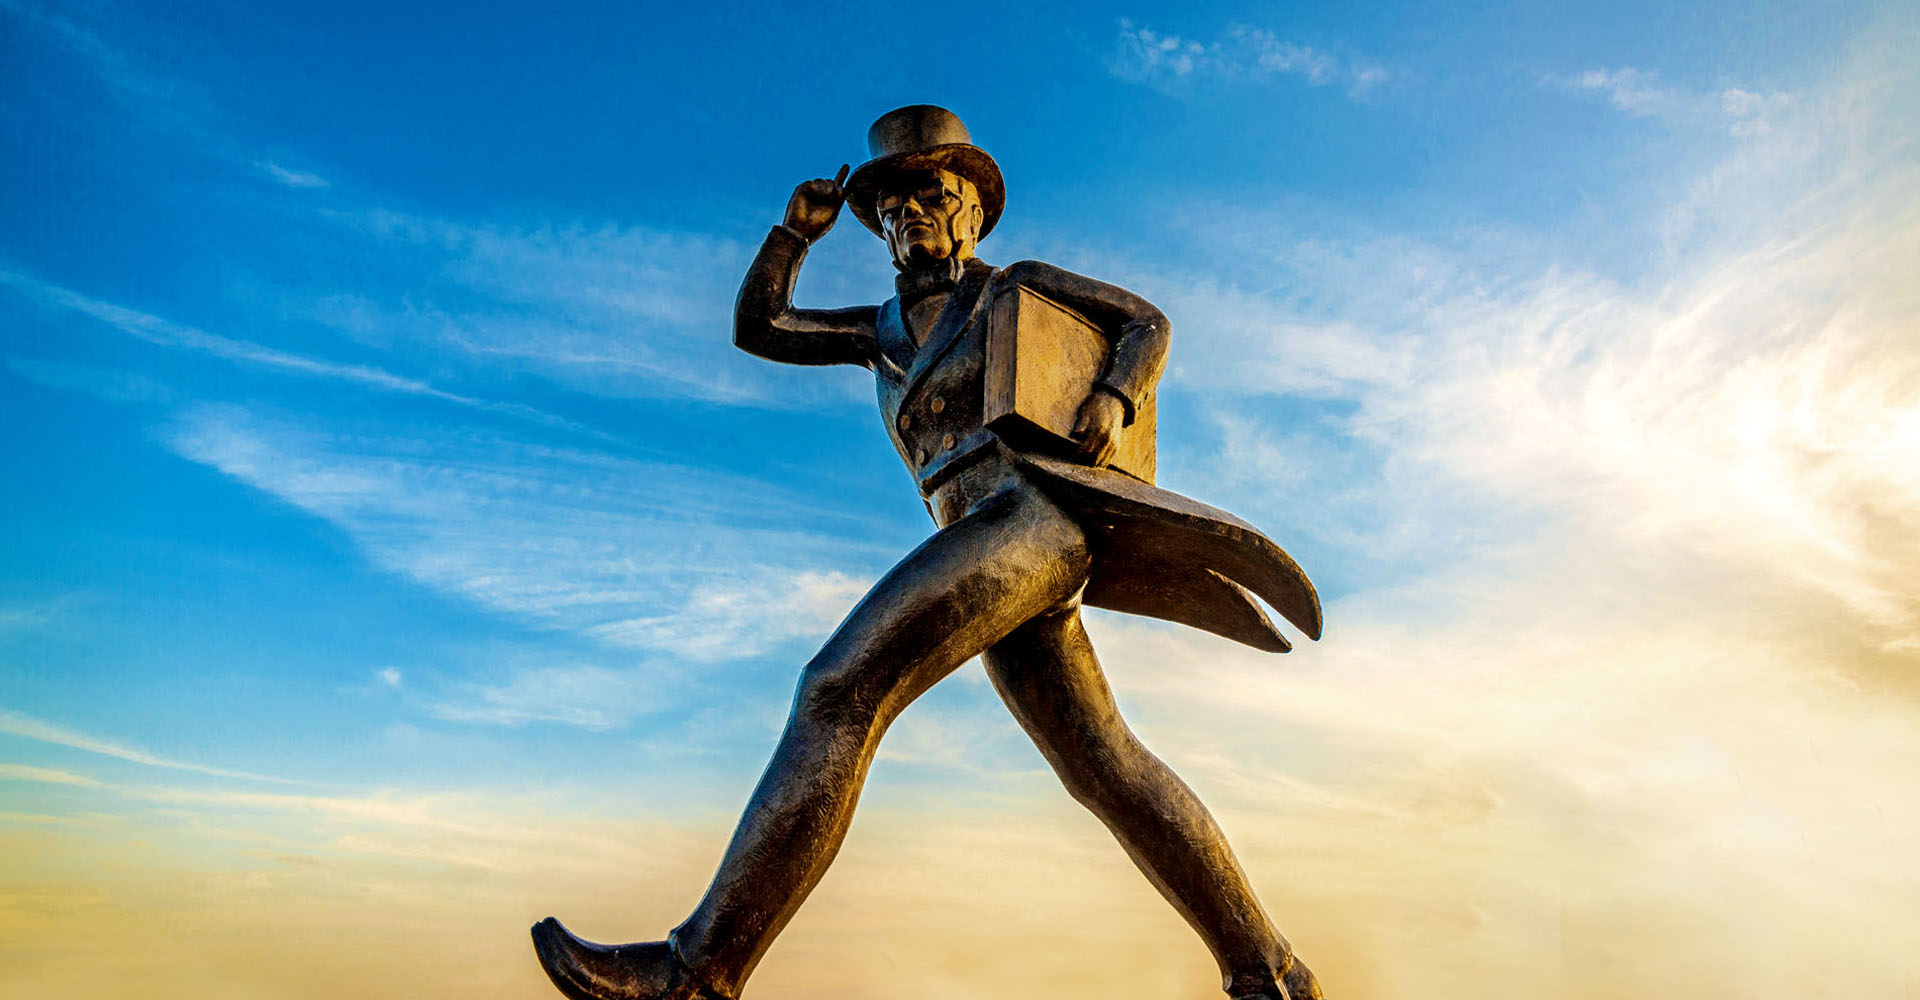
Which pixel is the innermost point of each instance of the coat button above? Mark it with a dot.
(904, 422)
(937, 405)
(920, 457)
(946, 442)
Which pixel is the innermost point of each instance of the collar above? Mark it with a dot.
(940, 277)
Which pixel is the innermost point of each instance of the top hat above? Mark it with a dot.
(918, 138)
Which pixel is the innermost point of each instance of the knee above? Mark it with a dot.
(832, 698)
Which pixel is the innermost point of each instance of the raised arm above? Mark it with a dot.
(1140, 335)
(766, 324)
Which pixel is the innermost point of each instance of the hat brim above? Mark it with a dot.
(972, 162)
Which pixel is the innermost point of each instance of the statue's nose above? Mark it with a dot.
(909, 214)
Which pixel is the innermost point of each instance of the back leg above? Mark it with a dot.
(1050, 679)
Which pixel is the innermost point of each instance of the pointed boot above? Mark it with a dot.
(584, 970)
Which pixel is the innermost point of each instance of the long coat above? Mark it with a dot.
(1156, 552)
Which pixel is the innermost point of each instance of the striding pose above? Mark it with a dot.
(1028, 532)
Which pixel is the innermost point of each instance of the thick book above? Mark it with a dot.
(1042, 360)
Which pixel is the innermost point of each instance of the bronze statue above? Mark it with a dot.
(1034, 453)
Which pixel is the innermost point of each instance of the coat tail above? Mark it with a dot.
(1168, 556)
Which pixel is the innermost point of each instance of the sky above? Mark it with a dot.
(396, 550)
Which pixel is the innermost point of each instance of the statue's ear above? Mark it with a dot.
(979, 218)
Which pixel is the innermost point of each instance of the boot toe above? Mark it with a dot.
(584, 970)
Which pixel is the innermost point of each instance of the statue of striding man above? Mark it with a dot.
(1021, 401)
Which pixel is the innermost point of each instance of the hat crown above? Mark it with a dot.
(916, 139)
(914, 128)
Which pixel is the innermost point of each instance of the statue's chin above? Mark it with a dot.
(920, 255)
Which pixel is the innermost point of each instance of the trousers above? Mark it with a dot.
(1001, 579)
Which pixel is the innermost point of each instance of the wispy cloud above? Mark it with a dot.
(123, 74)
(47, 775)
(338, 873)
(44, 819)
(638, 555)
(468, 828)
(128, 54)
(597, 306)
(301, 180)
(1678, 674)
(589, 697)
(27, 727)
(1745, 403)
(165, 333)
(26, 616)
(1144, 55)
(710, 621)
(622, 310)
(1644, 94)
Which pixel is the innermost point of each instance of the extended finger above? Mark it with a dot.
(841, 177)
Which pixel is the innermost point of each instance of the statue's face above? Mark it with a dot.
(929, 217)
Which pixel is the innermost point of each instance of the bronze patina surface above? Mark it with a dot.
(1021, 400)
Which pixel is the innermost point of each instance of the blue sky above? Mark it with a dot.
(379, 469)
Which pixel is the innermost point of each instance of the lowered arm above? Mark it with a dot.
(1140, 332)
